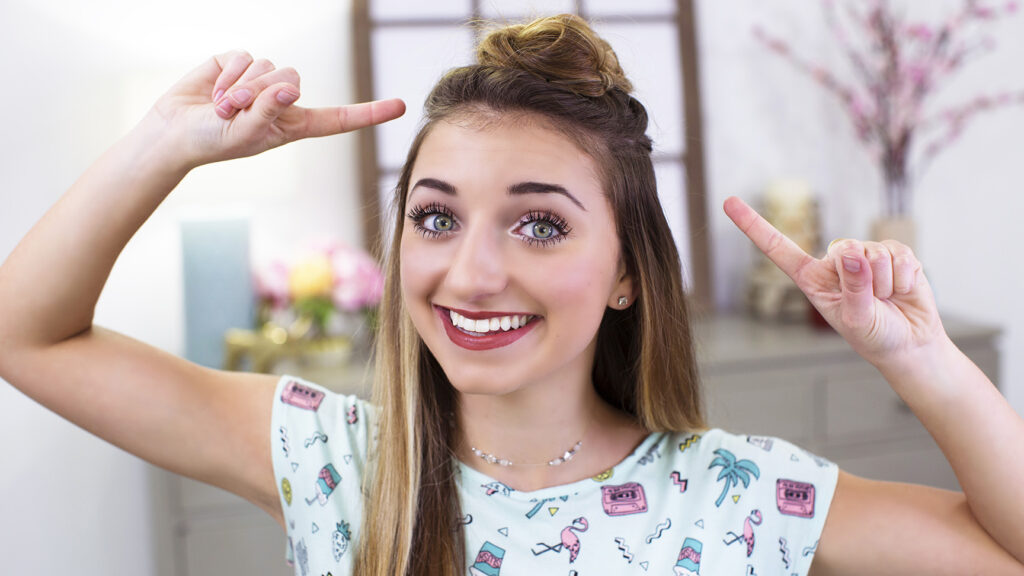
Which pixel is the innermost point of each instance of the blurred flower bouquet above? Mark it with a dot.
(899, 65)
(332, 290)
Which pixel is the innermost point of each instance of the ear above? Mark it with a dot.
(625, 287)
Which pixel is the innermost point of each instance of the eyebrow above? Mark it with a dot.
(513, 190)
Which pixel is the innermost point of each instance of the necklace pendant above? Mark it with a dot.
(492, 459)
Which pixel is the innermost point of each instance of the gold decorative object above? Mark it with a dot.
(271, 344)
(789, 205)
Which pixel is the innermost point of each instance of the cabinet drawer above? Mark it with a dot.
(920, 464)
(767, 402)
(249, 544)
(860, 405)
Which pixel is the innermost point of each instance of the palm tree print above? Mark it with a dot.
(733, 471)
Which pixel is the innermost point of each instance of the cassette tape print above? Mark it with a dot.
(795, 498)
(623, 499)
(302, 396)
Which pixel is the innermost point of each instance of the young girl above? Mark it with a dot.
(537, 407)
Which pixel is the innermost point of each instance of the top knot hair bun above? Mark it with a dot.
(562, 49)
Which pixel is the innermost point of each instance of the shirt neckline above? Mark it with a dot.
(471, 477)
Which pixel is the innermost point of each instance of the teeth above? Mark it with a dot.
(504, 323)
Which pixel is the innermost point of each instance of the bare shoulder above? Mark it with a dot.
(894, 528)
(243, 418)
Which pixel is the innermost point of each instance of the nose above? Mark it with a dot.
(477, 270)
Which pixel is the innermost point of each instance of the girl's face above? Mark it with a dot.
(505, 223)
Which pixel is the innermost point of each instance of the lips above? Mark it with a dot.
(495, 328)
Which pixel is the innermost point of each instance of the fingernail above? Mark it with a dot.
(287, 97)
(241, 96)
(851, 264)
(216, 97)
(225, 107)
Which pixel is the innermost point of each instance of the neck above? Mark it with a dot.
(534, 425)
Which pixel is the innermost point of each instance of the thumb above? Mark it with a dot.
(858, 297)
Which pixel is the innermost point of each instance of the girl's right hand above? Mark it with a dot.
(233, 106)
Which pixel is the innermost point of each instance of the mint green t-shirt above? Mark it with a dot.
(683, 503)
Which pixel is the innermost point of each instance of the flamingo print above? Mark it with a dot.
(754, 519)
(571, 541)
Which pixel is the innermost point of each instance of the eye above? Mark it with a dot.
(543, 228)
(433, 220)
(438, 223)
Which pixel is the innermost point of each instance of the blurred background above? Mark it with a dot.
(81, 73)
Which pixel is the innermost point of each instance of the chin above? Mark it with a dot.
(482, 385)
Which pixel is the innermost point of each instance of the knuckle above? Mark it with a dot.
(263, 64)
(898, 248)
(239, 54)
(774, 241)
(905, 264)
(290, 74)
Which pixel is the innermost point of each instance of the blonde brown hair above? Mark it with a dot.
(558, 70)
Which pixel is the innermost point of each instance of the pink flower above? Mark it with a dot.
(272, 284)
(358, 282)
(920, 32)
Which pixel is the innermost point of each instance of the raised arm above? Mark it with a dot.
(876, 296)
(206, 424)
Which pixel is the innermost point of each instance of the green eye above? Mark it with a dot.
(542, 230)
(439, 222)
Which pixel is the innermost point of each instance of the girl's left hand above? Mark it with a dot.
(874, 294)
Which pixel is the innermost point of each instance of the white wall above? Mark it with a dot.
(764, 120)
(77, 76)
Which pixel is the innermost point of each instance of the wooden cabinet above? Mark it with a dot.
(796, 382)
(807, 386)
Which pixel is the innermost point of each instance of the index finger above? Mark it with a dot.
(328, 121)
(785, 253)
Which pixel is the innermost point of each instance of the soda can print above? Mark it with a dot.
(488, 561)
(689, 558)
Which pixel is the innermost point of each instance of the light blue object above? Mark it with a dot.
(488, 561)
(218, 284)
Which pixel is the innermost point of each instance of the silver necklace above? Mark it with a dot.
(492, 459)
(565, 457)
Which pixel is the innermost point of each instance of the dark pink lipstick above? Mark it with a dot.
(485, 341)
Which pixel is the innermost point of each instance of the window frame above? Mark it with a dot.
(691, 158)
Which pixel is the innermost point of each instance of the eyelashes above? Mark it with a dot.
(536, 227)
(425, 219)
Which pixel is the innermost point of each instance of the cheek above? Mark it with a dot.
(577, 287)
(422, 268)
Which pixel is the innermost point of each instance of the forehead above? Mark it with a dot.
(517, 148)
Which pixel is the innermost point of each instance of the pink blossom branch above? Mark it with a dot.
(956, 118)
(859, 109)
(901, 65)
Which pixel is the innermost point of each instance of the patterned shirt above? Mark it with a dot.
(686, 503)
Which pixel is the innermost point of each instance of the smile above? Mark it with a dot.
(485, 325)
(487, 330)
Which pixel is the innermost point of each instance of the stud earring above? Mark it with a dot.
(623, 300)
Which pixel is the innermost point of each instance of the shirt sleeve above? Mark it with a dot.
(793, 493)
(321, 442)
